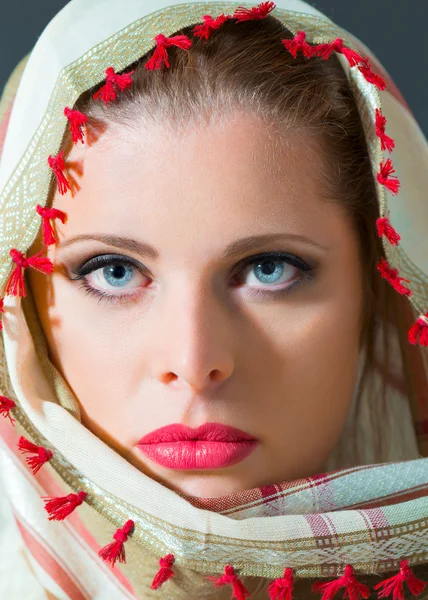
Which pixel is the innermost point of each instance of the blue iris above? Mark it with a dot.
(269, 270)
(118, 274)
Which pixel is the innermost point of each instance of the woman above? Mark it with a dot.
(215, 308)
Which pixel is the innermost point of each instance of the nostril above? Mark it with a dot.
(168, 377)
(216, 375)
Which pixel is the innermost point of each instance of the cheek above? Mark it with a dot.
(315, 348)
(92, 351)
(310, 390)
(317, 352)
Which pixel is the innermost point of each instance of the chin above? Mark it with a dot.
(202, 485)
(197, 484)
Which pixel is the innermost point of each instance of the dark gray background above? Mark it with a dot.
(396, 31)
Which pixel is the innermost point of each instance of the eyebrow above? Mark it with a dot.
(148, 251)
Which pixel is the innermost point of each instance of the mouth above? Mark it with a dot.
(210, 446)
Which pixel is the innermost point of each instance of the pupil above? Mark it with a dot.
(118, 271)
(270, 267)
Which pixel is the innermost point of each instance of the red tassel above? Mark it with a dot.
(391, 275)
(160, 55)
(1, 311)
(282, 587)
(391, 183)
(239, 591)
(385, 228)
(43, 455)
(77, 120)
(209, 25)
(299, 43)
(418, 333)
(6, 405)
(57, 165)
(115, 551)
(60, 508)
(387, 143)
(48, 231)
(16, 285)
(353, 588)
(256, 12)
(165, 572)
(325, 50)
(394, 585)
(370, 76)
(108, 92)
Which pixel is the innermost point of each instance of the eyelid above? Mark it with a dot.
(101, 260)
(93, 264)
(277, 255)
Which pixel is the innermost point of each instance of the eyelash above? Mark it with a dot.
(103, 260)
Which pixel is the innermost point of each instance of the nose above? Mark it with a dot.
(193, 343)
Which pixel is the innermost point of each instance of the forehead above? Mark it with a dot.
(230, 178)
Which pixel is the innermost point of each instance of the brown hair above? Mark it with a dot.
(245, 66)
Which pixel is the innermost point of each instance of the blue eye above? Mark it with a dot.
(118, 275)
(274, 272)
(271, 273)
(105, 275)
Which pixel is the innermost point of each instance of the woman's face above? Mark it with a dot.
(195, 323)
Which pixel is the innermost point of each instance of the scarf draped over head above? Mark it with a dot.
(92, 525)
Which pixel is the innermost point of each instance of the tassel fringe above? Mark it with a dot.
(353, 588)
(370, 76)
(299, 43)
(59, 508)
(282, 587)
(16, 285)
(6, 405)
(391, 275)
(386, 142)
(42, 455)
(57, 165)
(239, 591)
(209, 25)
(77, 120)
(160, 56)
(165, 572)
(395, 585)
(115, 551)
(114, 82)
(48, 231)
(418, 333)
(261, 11)
(324, 51)
(385, 177)
(385, 228)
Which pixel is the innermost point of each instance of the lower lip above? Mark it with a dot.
(198, 454)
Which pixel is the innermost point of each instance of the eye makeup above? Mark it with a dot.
(87, 271)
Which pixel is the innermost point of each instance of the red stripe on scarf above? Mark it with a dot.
(49, 563)
(10, 436)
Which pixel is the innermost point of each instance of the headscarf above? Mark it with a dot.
(92, 525)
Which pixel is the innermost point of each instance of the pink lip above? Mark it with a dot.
(210, 446)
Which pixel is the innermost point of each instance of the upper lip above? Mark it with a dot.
(214, 432)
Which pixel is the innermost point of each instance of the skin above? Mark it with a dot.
(194, 343)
